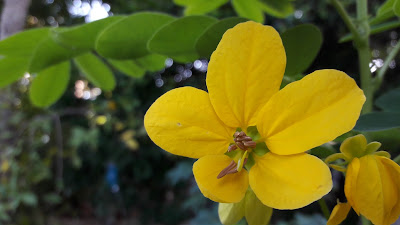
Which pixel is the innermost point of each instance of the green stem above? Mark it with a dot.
(346, 18)
(324, 208)
(364, 59)
(381, 72)
(364, 54)
(361, 41)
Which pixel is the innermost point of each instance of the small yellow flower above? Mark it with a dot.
(243, 80)
(372, 184)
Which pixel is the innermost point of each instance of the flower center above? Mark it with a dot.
(243, 142)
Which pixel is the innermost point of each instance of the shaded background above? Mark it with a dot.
(88, 160)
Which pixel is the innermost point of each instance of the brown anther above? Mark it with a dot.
(232, 148)
(231, 167)
(241, 145)
(250, 144)
(239, 134)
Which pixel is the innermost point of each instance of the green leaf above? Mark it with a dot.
(128, 67)
(11, 69)
(256, 213)
(302, 44)
(209, 40)
(28, 198)
(377, 121)
(389, 101)
(384, 12)
(23, 43)
(96, 71)
(250, 9)
(49, 85)
(82, 36)
(280, 9)
(128, 37)
(323, 151)
(177, 39)
(152, 62)
(200, 7)
(396, 8)
(386, 7)
(48, 52)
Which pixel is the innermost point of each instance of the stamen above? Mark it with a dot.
(225, 171)
(232, 148)
(242, 141)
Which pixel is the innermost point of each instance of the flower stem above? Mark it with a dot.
(381, 73)
(324, 208)
(361, 32)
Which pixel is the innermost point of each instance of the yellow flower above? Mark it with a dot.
(372, 185)
(243, 80)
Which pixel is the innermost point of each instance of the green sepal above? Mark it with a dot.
(249, 207)
(255, 212)
(383, 153)
(354, 146)
(372, 147)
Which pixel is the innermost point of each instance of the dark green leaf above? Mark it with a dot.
(96, 71)
(82, 36)
(11, 69)
(48, 53)
(378, 121)
(209, 40)
(302, 44)
(128, 67)
(396, 8)
(250, 9)
(280, 9)
(177, 39)
(199, 7)
(23, 43)
(128, 37)
(389, 101)
(384, 12)
(49, 85)
(152, 62)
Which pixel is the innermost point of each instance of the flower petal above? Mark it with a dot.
(339, 213)
(394, 171)
(183, 122)
(228, 189)
(375, 194)
(310, 112)
(289, 182)
(245, 70)
(350, 186)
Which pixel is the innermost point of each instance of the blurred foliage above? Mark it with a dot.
(104, 166)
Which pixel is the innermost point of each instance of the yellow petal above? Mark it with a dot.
(310, 112)
(228, 189)
(339, 213)
(393, 169)
(183, 122)
(350, 186)
(375, 193)
(256, 213)
(244, 71)
(289, 182)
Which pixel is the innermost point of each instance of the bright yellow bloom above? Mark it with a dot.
(243, 80)
(372, 185)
